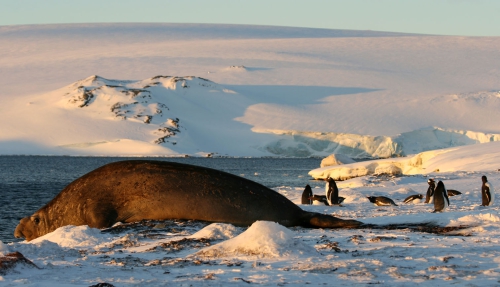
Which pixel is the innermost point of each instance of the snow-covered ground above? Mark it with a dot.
(457, 247)
(235, 90)
(259, 91)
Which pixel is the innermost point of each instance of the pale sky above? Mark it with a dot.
(442, 17)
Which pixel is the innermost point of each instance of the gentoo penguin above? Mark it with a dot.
(381, 200)
(487, 192)
(322, 198)
(452, 192)
(430, 191)
(332, 192)
(441, 200)
(306, 195)
(413, 197)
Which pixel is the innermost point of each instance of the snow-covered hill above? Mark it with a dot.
(252, 91)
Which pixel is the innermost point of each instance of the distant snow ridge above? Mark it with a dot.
(484, 97)
(143, 101)
(305, 144)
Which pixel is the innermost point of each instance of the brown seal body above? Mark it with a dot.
(129, 191)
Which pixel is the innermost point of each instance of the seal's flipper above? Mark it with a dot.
(327, 221)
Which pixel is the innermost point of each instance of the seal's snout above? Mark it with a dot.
(18, 233)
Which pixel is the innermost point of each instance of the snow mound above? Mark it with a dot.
(477, 219)
(263, 239)
(336, 159)
(478, 157)
(217, 231)
(74, 236)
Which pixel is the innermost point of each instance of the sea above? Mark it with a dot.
(29, 182)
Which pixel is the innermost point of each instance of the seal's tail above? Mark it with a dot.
(327, 221)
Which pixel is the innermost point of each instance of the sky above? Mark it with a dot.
(440, 17)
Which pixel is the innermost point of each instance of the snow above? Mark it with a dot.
(464, 252)
(336, 159)
(236, 90)
(262, 240)
(420, 106)
(478, 157)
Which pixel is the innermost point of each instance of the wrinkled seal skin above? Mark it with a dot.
(129, 191)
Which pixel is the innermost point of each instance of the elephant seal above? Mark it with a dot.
(133, 190)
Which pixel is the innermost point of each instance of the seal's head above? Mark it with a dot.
(31, 227)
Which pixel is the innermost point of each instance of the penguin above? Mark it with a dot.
(306, 195)
(381, 200)
(487, 192)
(441, 200)
(430, 191)
(332, 192)
(320, 198)
(412, 198)
(452, 192)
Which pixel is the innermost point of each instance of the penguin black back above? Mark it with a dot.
(487, 193)
(306, 195)
(441, 200)
(332, 191)
(452, 192)
(430, 190)
(320, 198)
(413, 197)
(381, 200)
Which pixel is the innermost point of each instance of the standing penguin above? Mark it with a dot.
(487, 192)
(430, 191)
(332, 192)
(441, 200)
(306, 195)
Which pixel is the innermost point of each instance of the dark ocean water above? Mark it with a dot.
(29, 182)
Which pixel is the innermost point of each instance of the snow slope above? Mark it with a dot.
(272, 91)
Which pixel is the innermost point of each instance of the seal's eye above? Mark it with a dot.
(36, 220)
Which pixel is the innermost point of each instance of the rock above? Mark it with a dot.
(12, 260)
